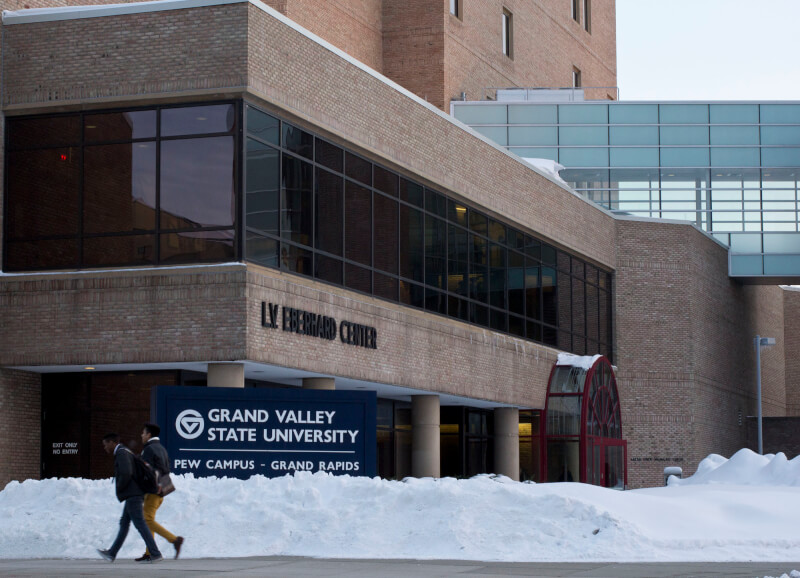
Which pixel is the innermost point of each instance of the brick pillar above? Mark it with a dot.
(319, 383)
(20, 426)
(225, 375)
(425, 440)
(506, 442)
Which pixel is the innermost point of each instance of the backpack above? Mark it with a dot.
(144, 475)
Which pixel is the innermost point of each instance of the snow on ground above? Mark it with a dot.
(741, 509)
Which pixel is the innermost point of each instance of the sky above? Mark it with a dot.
(739, 509)
(708, 49)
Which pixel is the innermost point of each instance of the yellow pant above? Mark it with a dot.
(151, 504)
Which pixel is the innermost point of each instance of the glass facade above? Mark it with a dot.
(318, 209)
(162, 186)
(139, 187)
(731, 168)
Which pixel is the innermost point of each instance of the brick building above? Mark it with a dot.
(173, 170)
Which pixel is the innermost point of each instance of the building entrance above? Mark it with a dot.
(583, 430)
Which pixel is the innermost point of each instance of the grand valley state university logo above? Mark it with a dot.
(189, 424)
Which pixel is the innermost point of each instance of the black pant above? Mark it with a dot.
(132, 512)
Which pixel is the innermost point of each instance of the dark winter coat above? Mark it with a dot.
(156, 455)
(123, 474)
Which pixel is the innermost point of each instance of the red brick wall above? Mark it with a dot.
(684, 335)
(778, 434)
(20, 419)
(547, 44)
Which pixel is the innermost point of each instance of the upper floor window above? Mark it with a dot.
(508, 33)
(455, 8)
(575, 6)
(587, 15)
(576, 78)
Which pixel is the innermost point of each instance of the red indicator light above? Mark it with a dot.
(63, 157)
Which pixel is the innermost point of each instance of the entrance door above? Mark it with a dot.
(605, 462)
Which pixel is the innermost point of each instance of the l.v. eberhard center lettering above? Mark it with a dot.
(315, 325)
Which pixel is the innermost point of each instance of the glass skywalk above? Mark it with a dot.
(732, 168)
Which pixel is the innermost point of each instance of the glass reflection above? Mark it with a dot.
(197, 183)
(197, 120)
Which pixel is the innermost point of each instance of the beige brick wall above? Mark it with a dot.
(415, 349)
(123, 317)
(684, 334)
(20, 420)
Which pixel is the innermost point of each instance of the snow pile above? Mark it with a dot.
(745, 468)
(482, 518)
(583, 361)
(550, 167)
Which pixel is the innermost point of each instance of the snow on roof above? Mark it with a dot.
(583, 361)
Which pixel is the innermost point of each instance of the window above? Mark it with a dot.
(576, 78)
(507, 33)
(455, 8)
(587, 15)
(576, 10)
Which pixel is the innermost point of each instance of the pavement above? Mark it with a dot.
(290, 567)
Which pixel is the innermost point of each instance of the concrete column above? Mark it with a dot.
(425, 441)
(319, 383)
(225, 375)
(506, 442)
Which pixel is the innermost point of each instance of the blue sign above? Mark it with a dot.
(217, 431)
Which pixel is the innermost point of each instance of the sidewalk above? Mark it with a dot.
(284, 566)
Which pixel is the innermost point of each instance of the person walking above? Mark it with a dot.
(130, 493)
(156, 455)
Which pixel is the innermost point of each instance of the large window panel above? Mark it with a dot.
(583, 114)
(684, 135)
(735, 135)
(497, 276)
(533, 291)
(193, 120)
(734, 157)
(43, 254)
(683, 113)
(197, 183)
(297, 201)
(582, 135)
(479, 270)
(633, 135)
(532, 136)
(412, 243)
(435, 252)
(457, 261)
(585, 157)
(386, 234)
(197, 247)
(49, 131)
(481, 114)
(780, 113)
(634, 157)
(684, 157)
(119, 250)
(263, 126)
(358, 223)
(262, 250)
(119, 126)
(262, 195)
(329, 216)
(43, 193)
(119, 188)
(526, 114)
(734, 113)
(633, 113)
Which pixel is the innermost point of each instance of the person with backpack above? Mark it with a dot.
(129, 492)
(156, 456)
